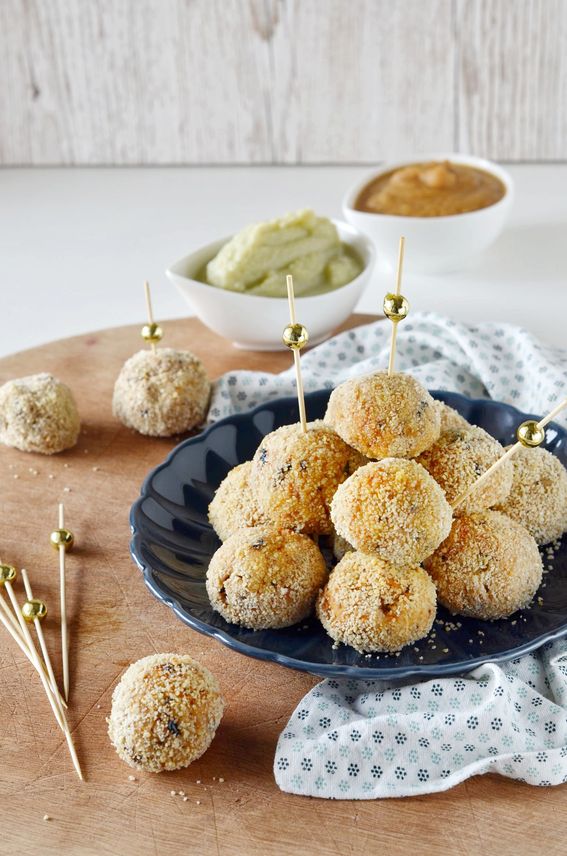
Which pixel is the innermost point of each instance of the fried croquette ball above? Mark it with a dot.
(393, 508)
(264, 577)
(384, 416)
(166, 709)
(538, 498)
(373, 605)
(38, 414)
(451, 419)
(234, 505)
(456, 461)
(295, 475)
(162, 392)
(488, 567)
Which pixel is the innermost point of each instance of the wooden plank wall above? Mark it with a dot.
(280, 81)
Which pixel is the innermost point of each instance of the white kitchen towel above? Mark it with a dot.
(358, 739)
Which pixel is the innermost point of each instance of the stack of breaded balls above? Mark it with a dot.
(378, 477)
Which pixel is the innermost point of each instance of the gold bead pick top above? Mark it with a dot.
(152, 333)
(396, 306)
(530, 434)
(295, 337)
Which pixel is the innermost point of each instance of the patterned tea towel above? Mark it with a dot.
(358, 739)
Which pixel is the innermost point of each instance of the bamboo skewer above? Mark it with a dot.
(63, 606)
(295, 336)
(151, 332)
(394, 314)
(41, 639)
(530, 429)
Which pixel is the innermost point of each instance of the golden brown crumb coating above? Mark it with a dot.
(166, 709)
(295, 475)
(393, 508)
(451, 419)
(372, 605)
(264, 577)
(457, 460)
(234, 504)
(161, 392)
(38, 414)
(488, 567)
(538, 498)
(384, 416)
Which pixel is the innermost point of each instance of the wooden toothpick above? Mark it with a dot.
(151, 332)
(529, 433)
(295, 336)
(396, 306)
(62, 540)
(41, 638)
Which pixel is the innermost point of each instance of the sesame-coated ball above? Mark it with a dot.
(38, 414)
(393, 508)
(451, 419)
(538, 498)
(161, 392)
(264, 577)
(372, 605)
(295, 475)
(234, 505)
(384, 415)
(165, 711)
(488, 567)
(457, 460)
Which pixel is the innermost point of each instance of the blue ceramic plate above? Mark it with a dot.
(173, 543)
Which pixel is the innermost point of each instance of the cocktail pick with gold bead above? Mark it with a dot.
(295, 336)
(152, 333)
(530, 434)
(62, 540)
(34, 611)
(396, 307)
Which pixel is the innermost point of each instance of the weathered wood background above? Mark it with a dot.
(280, 81)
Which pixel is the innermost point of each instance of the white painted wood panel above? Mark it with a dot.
(284, 81)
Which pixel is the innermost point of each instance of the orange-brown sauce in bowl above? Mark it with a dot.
(434, 189)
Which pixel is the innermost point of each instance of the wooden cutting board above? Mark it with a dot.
(114, 621)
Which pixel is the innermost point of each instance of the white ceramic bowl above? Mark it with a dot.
(255, 322)
(433, 244)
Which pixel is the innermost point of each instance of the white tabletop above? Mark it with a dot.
(76, 245)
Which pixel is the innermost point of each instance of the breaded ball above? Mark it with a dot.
(538, 498)
(372, 605)
(393, 508)
(295, 475)
(162, 392)
(38, 414)
(384, 416)
(234, 504)
(488, 567)
(457, 460)
(451, 419)
(165, 711)
(265, 577)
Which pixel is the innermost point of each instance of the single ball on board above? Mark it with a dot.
(38, 414)
(459, 458)
(451, 419)
(265, 577)
(384, 415)
(162, 392)
(166, 709)
(295, 475)
(234, 504)
(538, 498)
(488, 567)
(373, 605)
(393, 508)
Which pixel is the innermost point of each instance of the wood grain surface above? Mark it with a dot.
(280, 81)
(114, 620)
